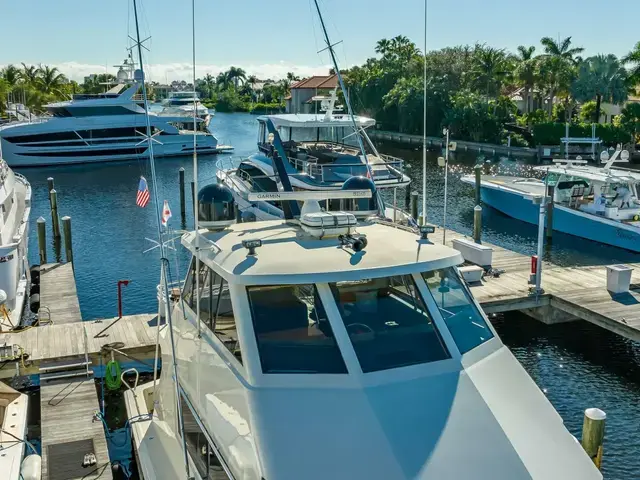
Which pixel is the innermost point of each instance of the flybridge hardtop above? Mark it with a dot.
(600, 204)
(360, 339)
(310, 120)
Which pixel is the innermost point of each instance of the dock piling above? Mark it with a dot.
(478, 171)
(477, 224)
(53, 199)
(68, 244)
(42, 239)
(593, 434)
(549, 231)
(183, 209)
(414, 205)
(50, 187)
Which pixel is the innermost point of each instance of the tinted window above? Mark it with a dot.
(466, 324)
(216, 310)
(388, 323)
(292, 330)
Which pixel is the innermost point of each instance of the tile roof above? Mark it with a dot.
(318, 81)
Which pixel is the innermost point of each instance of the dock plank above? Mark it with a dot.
(58, 293)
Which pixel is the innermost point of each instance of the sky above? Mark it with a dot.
(270, 38)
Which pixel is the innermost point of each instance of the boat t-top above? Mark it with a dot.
(103, 127)
(321, 347)
(600, 204)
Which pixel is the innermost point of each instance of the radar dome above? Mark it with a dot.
(361, 206)
(138, 75)
(216, 207)
(121, 76)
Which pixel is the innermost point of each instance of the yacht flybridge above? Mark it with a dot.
(181, 103)
(321, 347)
(600, 204)
(103, 128)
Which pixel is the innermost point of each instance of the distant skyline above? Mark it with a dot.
(269, 39)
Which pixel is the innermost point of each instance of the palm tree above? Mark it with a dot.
(50, 80)
(490, 70)
(633, 58)
(209, 84)
(602, 78)
(236, 75)
(29, 73)
(11, 75)
(252, 80)
(526, 73)
(562, 49)
(223, 81)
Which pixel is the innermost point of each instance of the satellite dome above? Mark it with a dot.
(138, 75)
(361, 207)
(216, 207)
(121, 76)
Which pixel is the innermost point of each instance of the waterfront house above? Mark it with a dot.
(307, 95)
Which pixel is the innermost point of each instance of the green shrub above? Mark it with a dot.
(550, 133)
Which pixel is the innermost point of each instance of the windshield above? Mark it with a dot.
(388, 323)
(465, 322)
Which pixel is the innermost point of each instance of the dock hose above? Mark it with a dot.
(112, 375)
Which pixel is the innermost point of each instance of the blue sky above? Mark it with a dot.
(269, 38)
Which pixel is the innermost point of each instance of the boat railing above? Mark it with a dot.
(339, 172)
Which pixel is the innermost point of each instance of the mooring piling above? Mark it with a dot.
(183, 209)
(477, 210)
(68, 244)
(42, 239)
(549, 231)
(414, 205)
(50, 187)
(593, 434)
(55, 221)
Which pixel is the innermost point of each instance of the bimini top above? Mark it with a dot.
(288, 256)
(310, 120)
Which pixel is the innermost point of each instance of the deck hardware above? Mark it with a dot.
(251, 245)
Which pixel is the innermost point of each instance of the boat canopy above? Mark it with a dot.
(310, 120)
(593, 174)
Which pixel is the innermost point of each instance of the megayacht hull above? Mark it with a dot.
(566, 220)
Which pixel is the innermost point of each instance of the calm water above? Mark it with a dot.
(578, 365)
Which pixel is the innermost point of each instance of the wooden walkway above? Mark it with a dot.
(58, 293)
(67, 412)
(66, 341)
(577, 292)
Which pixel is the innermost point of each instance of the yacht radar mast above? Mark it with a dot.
(347, 101)
(139, 75)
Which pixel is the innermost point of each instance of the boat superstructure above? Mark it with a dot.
(320, 347)
(600, 204)
(181, 103)
(15, 205)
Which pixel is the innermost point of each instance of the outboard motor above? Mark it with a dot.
(216, 207)
(360, 207)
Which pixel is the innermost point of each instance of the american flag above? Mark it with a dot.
(142, 198)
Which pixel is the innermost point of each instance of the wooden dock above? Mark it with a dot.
(577, 292)
(58, 294)
(69, 431)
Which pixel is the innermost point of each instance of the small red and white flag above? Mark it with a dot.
(166, 213)
(142, 198)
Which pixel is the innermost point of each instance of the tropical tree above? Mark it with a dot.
(236, 75)
(223, 81)
(51, 81)
(97, 83)
(555, 77)
(630, 120)
(490, 70)
(526, 73)
(11, 75)
(602, 78)
(562, 49)
(209, 83)
(29, 73)
(633, 58)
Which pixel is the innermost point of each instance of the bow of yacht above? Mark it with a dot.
(319, 347)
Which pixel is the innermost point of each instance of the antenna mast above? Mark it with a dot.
(195, 166)
(424, 134)
(348, 102)
(163, 259)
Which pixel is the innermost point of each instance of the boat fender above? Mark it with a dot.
(636, 218)
(31, 467)
(34, 273)
(35, 288)
(35, 302)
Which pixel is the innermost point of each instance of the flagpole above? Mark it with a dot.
(163, 259)
(195, 168)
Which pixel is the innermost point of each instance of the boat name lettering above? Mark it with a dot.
(268, 195)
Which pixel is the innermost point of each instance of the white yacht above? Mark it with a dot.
(317, 347)
(15, 204)
(13, 432)
(181, 103)
(102, 128)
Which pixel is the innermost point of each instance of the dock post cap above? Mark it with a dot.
(477, 208)
(181, 169)
(41, 220)
(595, 414)
(66, 217)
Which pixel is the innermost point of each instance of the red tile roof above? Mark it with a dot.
(319, 81)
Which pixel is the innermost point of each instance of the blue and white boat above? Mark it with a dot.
(319, 153)
(599, 204)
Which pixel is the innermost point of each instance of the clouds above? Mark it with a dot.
(162, 72)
